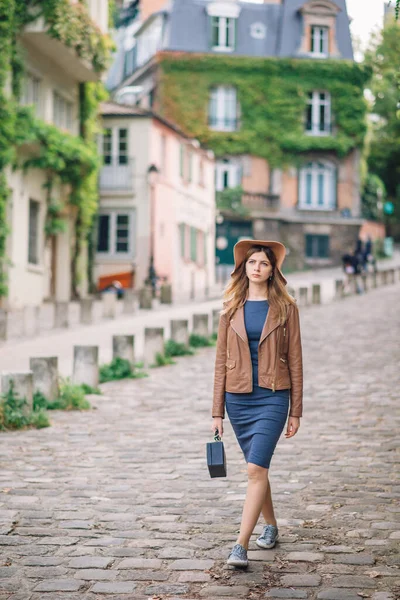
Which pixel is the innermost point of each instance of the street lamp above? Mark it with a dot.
(152, 176)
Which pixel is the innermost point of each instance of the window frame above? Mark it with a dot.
(319, 40)
(27, 96)
(232, 172)
(220, 99)
(121, 157)
(62, 113)
(113, 215)
(309, 178)
(315, 104)
(315, 239)
(34, 234)
(223, 34)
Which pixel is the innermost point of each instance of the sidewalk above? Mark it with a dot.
(117, 502)
(15, 354)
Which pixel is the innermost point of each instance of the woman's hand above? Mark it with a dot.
(293, 425)
(217, 424)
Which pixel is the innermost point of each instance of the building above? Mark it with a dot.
(157, 204)
(57, 66)
(274, 91)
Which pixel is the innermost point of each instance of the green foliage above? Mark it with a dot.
(230, 199)
(172, 348)
(119, 368)
(15, 413)
(72, 397)
(162, 360)
(372, 193)
(88, 389)
(272, 93)
(198, 341)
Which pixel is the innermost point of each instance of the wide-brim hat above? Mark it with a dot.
(241, 248)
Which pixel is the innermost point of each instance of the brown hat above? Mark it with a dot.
(240, 250)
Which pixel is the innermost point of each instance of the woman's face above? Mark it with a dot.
(258, 267)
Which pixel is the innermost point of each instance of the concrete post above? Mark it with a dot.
(316, 293)
(22, 385)
(31, 320)
(200, 325)
(45, 376)
(86, 313)
(166, 294)
(3, 324)
(384, 277)
(145, 298)
(339, 289)
(303, 296)
(392, 276)
(61, 313)
(129, 302)
(109, 300)
(123, 347)
(180, 331)
(215, 320)
(364, 279)
(86, 365)
(153, 344)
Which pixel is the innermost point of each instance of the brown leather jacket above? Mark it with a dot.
(280, 363)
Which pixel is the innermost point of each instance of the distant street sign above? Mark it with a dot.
(388, 208)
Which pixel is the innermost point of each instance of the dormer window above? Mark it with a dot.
(319, 41)
(223, 33)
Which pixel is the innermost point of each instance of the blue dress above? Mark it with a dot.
(257, 418)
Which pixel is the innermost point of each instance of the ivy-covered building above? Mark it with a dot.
(273, 90)
(52, 56)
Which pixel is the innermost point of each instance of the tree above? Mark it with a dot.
(384, 157)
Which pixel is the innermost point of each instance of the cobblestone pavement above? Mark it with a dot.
(117, 502)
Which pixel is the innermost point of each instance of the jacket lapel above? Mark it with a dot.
(271, 323)
(237, 324)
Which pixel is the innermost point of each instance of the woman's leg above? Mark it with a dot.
(255, 497)
(268, 507)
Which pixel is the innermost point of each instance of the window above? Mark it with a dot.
(107, 146)
(149, 41)
(115, 146)
(318, 117)
(317, 186)
(319, 40)
(193, 244)
(223, 109)
(33, 236)
(227, 175)
(122, 146)
(223, 33)
(115, 233)
(182, 238)
(62, 112)
(317, 246)
(30, 93)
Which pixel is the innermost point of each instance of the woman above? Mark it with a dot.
(258, 375)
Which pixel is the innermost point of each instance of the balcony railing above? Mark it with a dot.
(116, 176)
(255, 201)
(223, 124)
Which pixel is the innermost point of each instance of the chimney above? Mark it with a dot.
(148, 7)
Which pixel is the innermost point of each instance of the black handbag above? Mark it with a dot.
(216, 459)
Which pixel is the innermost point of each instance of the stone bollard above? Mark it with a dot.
(153, 344)
(215, 320)
(316, 293)
(373, 280)
(180, 331)
(339, 289)
(303, 296)
(86, 365)
(364, 279)
(200, 325)
(22, 386)
(291, 291)
(61, 314)
(31, 320)
(86, 313)
(109, 301)
(392, 276)
(145, 298)
(123, 347)
(45, 376)
(3, 324)
(166, 293)
(129, 302)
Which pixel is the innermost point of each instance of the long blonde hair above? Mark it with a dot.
(236, 291)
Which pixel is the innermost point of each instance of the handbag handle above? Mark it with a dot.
(217, 437)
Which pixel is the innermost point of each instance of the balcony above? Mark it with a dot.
(117, 177)
(261, 202)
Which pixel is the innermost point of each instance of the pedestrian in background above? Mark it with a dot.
(258, 376)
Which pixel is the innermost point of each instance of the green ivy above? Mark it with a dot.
(272, 93)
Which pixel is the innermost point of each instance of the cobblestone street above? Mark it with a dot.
(117, 502)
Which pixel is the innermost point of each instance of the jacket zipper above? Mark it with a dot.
(276, 361)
